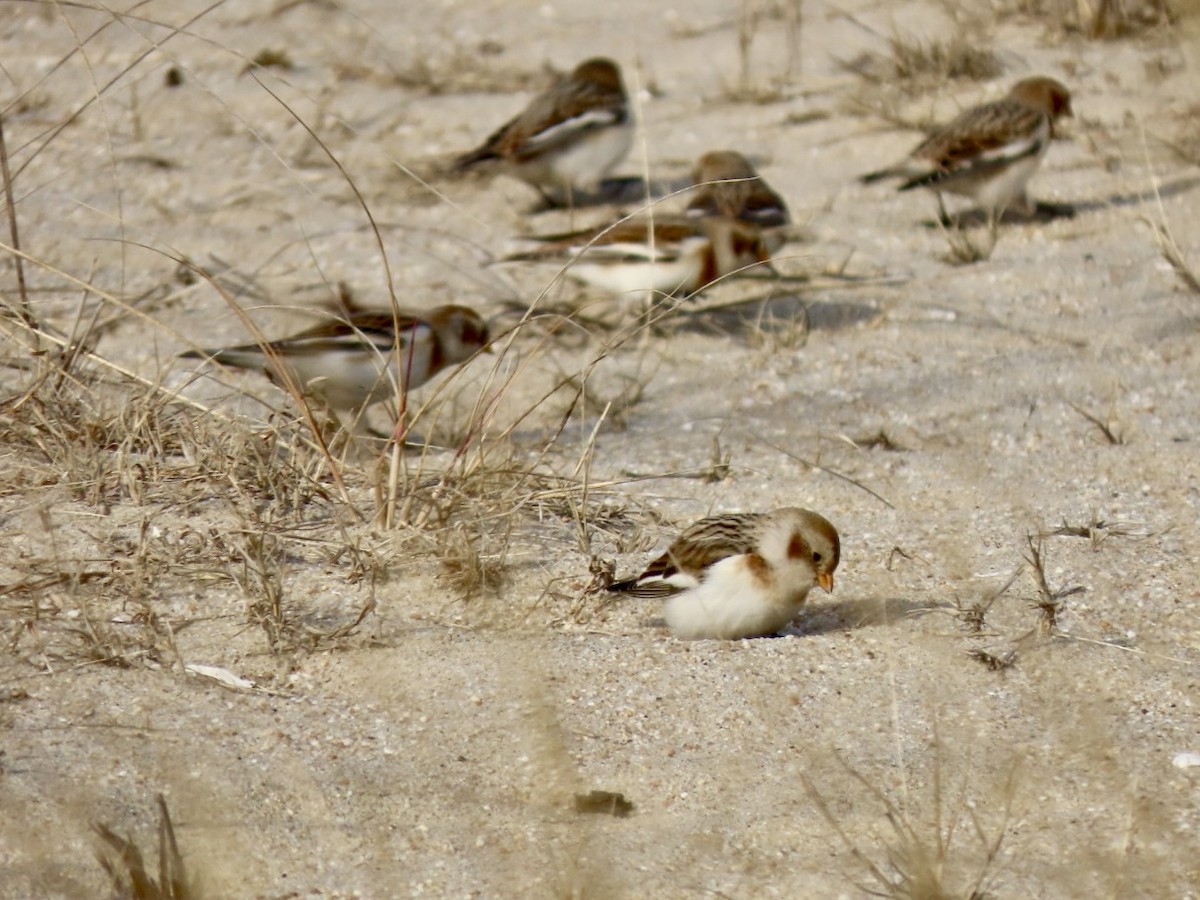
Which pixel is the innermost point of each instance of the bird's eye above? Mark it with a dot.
(816, 557)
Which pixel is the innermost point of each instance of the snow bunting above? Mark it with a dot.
(569, 137)
(989, 152)
(352, 362)
(741, 575)
(663, 255)
(729, 186)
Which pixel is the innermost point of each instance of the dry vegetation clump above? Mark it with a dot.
(1174, 256)
(947, 851)
(1096, 19)
(1185, 143)
(916, 66)
(984, 620)
(454, 69)
(772, 332)
(1050, 602)
(783, 16)
(1169, 247)
(105, 473)
(962, 249)
(125, 864)
(1109, 431)
(133, 514)
(83, 441)
(470, 515)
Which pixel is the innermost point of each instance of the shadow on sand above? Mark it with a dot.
(1050, 212)
(774, 313)
(847, 615)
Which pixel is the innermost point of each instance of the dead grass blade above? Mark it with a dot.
(818, 467)
(126, 867)
(1050, 602)
(925, 861)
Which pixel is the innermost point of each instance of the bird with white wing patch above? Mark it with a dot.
(740, 575)
(989, 152)
(568, 138)
(353, 361)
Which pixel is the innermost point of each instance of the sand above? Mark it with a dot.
(954, 422)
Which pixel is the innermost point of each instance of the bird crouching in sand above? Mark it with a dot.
(351, 362)
(568, 138)
(989, 152)
(741, 575)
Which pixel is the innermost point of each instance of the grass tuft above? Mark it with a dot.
(926, 858)
(1174, 256)
(125, 865)
(915, 66)
(1050, 602)
(1111, 434)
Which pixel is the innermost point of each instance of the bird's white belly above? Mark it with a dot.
(352, 379)
(344, 381)
(581, 164)
(630, 274)
(730, 603)
(1002, 188)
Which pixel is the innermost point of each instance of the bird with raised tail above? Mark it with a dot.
(989, 152)
(353, 361)
(568, 138)
(741, 575)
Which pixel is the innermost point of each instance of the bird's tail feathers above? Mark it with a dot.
(880, 175)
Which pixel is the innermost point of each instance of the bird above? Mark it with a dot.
(359, 359)
(654, 255)
(740, 575)
(568, 138)
(989, 152)
(728, 185)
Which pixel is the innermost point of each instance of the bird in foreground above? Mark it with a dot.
(568, 138)
(741, 575)
(662, 255)
(354, 361)
(989, 152)
(728, 185)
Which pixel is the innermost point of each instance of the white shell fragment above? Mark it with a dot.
(224, 676)
(1185, 760)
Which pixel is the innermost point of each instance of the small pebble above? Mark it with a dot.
(1185, 760)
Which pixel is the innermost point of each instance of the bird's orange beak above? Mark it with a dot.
(825, 580)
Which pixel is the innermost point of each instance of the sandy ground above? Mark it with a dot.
(435, 748)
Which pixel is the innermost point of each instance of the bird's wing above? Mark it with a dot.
(991, 134)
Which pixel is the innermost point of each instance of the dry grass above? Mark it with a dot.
(454, 69)
(1174, 256)
(780, 16)
(1050, 602)
(965, 250)
(126, 866)
(1184, 143)
(947, 853)
(1096, 19)
(1107, 426)
(1096, 531)
(774, 333)
(895, 87)
(917, 66)
(133, 509)
(973, 614)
